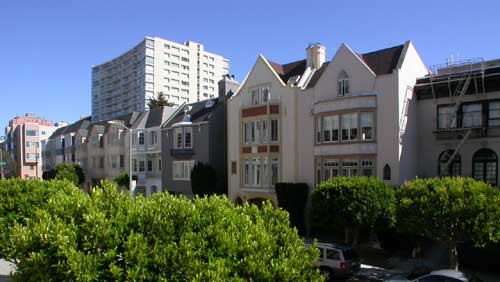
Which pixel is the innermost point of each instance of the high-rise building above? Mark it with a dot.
(185, 73)
(24, 136)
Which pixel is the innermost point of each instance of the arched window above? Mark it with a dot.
(343, 83)
(455, 166)
(387, 172)
(485, 166)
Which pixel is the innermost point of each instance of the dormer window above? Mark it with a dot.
(343, 84)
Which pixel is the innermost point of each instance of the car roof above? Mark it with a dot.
(450, 273)
(334, 245)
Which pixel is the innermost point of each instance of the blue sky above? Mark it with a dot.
(48, 47)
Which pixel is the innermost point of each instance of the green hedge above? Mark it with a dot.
(352, 203)
(109, 236)
(293, 198)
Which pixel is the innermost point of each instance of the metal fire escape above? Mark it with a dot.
(463, 74)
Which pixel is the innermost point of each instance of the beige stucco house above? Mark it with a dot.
(262, 126)
(357, 116)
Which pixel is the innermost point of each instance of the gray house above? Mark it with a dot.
(196, 133)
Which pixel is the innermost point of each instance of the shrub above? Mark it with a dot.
(19, 200)
(450, 210)
(352, 203)
(71, 172)
(109, 236)
(293, 198)
(203, 180)
(122, 180)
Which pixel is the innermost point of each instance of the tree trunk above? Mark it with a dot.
(453, 255)
(347, 234)
(355, 236)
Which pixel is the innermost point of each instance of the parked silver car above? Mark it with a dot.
(337, 260)
(446, 275)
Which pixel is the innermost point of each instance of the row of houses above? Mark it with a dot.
(382, 113)
(142, 143)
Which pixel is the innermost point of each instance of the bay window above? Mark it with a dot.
(183, 137)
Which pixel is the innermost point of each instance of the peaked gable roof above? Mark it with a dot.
(383, 61)
(288, 70)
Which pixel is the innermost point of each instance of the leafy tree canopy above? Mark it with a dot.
(352, 202)
(450, 210)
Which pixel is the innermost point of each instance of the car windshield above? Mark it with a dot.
(350, 254)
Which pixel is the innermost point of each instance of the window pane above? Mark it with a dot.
(367, 126)
(187, 137)
(446, 117)
(274, 130)
(472, 115)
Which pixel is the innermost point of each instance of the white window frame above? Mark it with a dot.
(343, 85)
(178, 143)
(186, 131)
(181, 170)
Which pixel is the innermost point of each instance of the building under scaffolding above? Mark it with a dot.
(458, 113)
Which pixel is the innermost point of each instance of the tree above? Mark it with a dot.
(293, 198)
(122, 180)
(159, 101)
(352, 203)
(450, 210)
(71, 172)
(10, 169)
(203, 180)
(110, 236)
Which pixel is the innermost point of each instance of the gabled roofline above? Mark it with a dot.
(403, 54)
(357, 57)
(266, 62)
(272, 69)
(162, 126)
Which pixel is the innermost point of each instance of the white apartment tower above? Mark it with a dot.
(185, 73)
